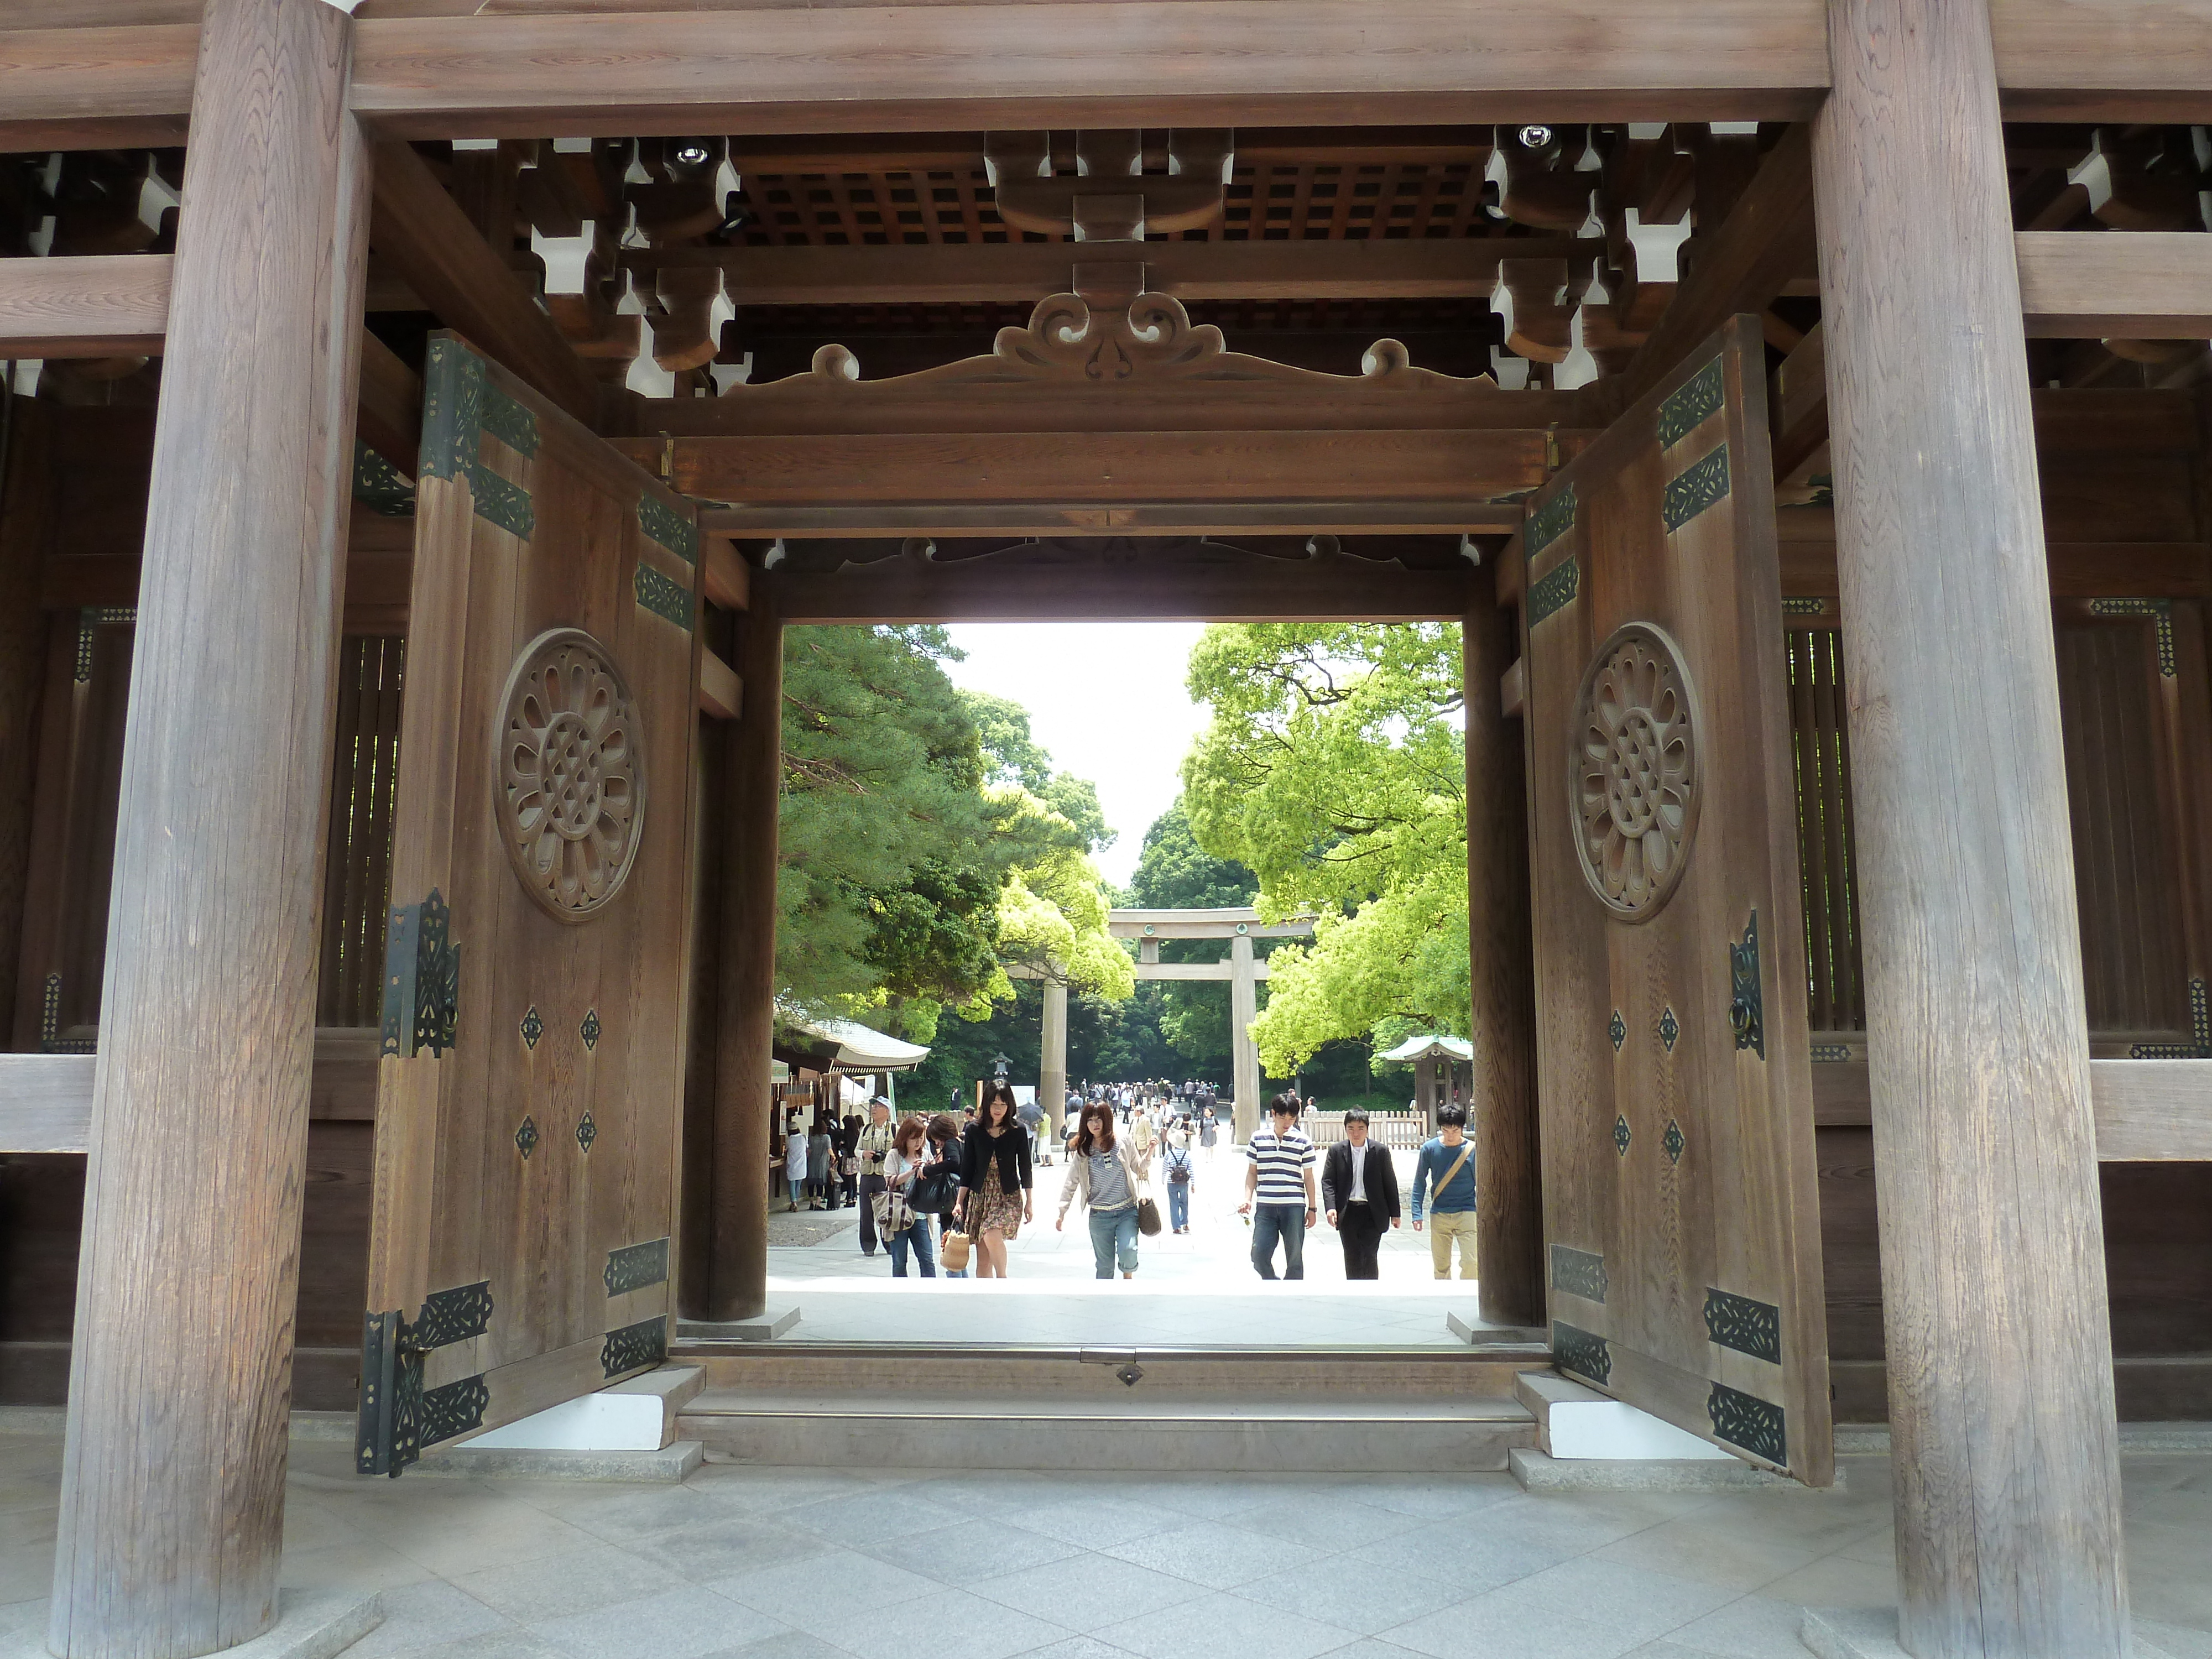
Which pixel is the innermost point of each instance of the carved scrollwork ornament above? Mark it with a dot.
(567, 774)
(1633, 780)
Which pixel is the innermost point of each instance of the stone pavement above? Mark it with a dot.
(786, 1564)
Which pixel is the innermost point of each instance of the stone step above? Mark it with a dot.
(1145, 1429)
(1451, 1374)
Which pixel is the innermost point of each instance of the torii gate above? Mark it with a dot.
(1240, 926)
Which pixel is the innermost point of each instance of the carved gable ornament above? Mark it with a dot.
(1069, 341)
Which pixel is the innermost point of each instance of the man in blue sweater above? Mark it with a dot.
(1445, 1175)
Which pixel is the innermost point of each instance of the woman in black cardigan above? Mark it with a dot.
(994, 1179)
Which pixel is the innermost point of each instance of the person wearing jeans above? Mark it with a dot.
(1445, 1172)
(1105, 1171)
(902, 1165)
(1279, 1190)
(1178, 1172)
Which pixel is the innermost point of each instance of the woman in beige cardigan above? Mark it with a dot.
(1107, 1173)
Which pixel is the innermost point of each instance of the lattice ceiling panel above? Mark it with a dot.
(1269, 202)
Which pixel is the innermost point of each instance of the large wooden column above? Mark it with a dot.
(2004, 1447)
(1052, 1069)
(752, 774)
(1502, 975)
(172, 1484)
(1243, 1009)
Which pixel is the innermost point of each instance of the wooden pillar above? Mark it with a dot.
(1051, 1071)
(2001, 1419)
(172, 1481)
(745, 1023)
(1243, 1009)
(1501, 1098)
(24, 523)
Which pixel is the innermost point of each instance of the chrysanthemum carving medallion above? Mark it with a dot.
(1632, 771)
(568, 779)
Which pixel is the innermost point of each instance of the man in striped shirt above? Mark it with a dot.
(1279, 1181)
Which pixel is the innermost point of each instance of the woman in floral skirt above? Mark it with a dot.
(994, 1179)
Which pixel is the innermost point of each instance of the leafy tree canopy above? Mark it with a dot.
(917, 859)
(1335, 768)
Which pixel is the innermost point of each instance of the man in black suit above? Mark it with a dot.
(1359, 1188)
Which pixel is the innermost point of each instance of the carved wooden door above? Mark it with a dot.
(1680, 1206)
(530, 1094)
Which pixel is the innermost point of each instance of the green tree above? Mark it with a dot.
(1335, 766)
(893, 856)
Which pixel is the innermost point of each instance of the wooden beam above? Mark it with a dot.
(99, 306)
(2152, 1110)
(45, 1102)
(1138, 921)
(422, 234)
(720, 694)
(389, 417)
(1766, 240)
(2123, 284)
(1259, 592)
(1008, 468)
(2147, 1112)
(1211, 63)
(118, 305)
(727, 578)
(1224, 970)
(1013, 272)
(931, 69)
(1050, 519)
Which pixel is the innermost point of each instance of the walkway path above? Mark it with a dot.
(789, 1564)
(1198, 1288)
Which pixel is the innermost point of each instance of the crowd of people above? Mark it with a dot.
(954, 1189)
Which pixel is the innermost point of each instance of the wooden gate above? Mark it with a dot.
(531, 1087)
(1681, 1206)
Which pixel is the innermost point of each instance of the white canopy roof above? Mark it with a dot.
(1430, 1048)
(860, 1049)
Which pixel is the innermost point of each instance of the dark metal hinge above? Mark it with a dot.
(421, 980)
(1746, 1014)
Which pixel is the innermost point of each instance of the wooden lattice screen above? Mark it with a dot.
(2126, 875)
(1825, 853)
(357, 871)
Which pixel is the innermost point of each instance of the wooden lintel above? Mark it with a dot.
(99, 306)
(1017, 468)
(389, 417)
(2123, 284)
(1260, 591)
(727, 578)
(422, 233)
(770, 70)
(1798, 403)
(2079, 570)
(2148, 1110)
(1513, 689)
(721, 695)
(1014, 272)
(1066, 519)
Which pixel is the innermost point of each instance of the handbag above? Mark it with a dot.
(954, 1252)
(893, 1213)
(933, 1195)
(1148, 1218)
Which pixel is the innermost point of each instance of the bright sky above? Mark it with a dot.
(1106, 700)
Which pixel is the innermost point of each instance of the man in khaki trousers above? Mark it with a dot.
(1443, 1183)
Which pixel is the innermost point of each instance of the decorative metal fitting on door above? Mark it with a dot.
(1632, 776)
(586, 1132)
(1617, 1031)
(1746, 1015)
(568, 775)
(1621, 1136)
(532, 1027)
(589, 1031)
(421, 980)
(526, 1139)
